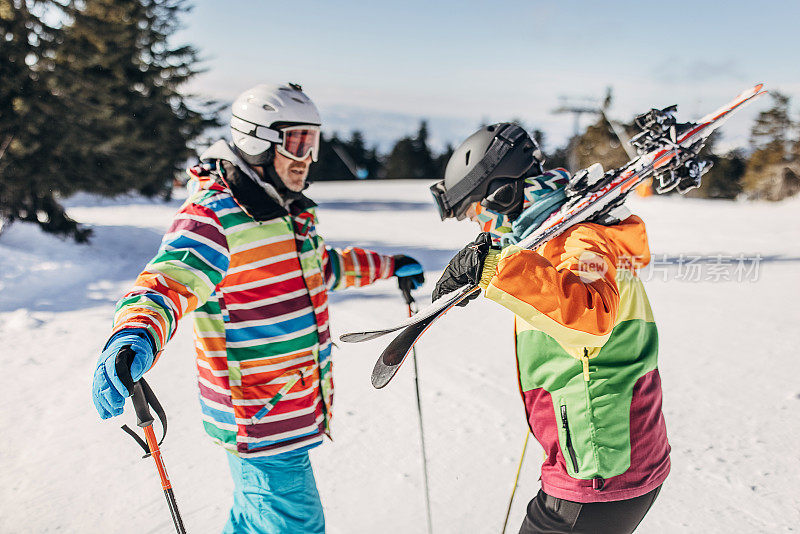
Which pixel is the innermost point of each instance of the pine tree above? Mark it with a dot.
(411, 157)
(598, 144)
(724, 180)
(773, 170)
(373, 163)
(399, 163)
(773, 126)
(129, 127)
(30, 173)
(330, 164)
(91, 106)
(425, 166)
(365, 160)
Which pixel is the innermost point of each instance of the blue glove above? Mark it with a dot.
(108, 392)
(408, 271)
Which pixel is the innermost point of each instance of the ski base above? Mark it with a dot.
(395, 354)
(431, 310)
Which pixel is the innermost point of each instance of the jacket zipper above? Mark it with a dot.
(585, 364)
(598, 482)
(570, 449)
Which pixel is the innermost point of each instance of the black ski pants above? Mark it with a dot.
(549, 515)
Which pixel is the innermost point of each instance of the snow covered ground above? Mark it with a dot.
(729, 363)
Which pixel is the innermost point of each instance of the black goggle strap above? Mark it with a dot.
(504, 141)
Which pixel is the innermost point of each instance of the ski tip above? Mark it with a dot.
(381, 376)
(749, 94)
(377, 383)
(756, 95)
(357, 337)
(752, 91)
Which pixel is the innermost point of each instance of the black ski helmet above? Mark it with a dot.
(488, 167)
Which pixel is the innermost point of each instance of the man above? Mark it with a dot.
(243, 255)
(586, 341)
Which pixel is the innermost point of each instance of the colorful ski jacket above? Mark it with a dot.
(255, 275)
(587, 349)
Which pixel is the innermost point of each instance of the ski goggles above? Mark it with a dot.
(298, 142)
(501, 196)
(442, 201)
(439, 198)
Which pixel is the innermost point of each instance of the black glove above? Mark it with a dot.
(465, 268)
(409, 272)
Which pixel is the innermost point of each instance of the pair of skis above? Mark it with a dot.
(668, 154)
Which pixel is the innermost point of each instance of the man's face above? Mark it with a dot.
(292, 173)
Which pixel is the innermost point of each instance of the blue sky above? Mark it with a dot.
(380, 66)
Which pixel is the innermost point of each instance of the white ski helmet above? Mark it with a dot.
(260, 112)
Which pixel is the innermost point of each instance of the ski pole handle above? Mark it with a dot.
(405, 289)
(143, 416)
(123, 366)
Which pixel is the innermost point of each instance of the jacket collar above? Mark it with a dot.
(258, 199)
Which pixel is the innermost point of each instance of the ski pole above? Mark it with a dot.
(143, 398)
(516, 481)
(406, 290)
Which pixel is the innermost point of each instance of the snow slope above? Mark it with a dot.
(729, 367)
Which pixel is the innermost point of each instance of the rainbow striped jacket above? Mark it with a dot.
(256, 278)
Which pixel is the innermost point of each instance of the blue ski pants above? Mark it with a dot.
(274, 495)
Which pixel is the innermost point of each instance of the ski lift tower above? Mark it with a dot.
(577, 109)
(588, 105)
